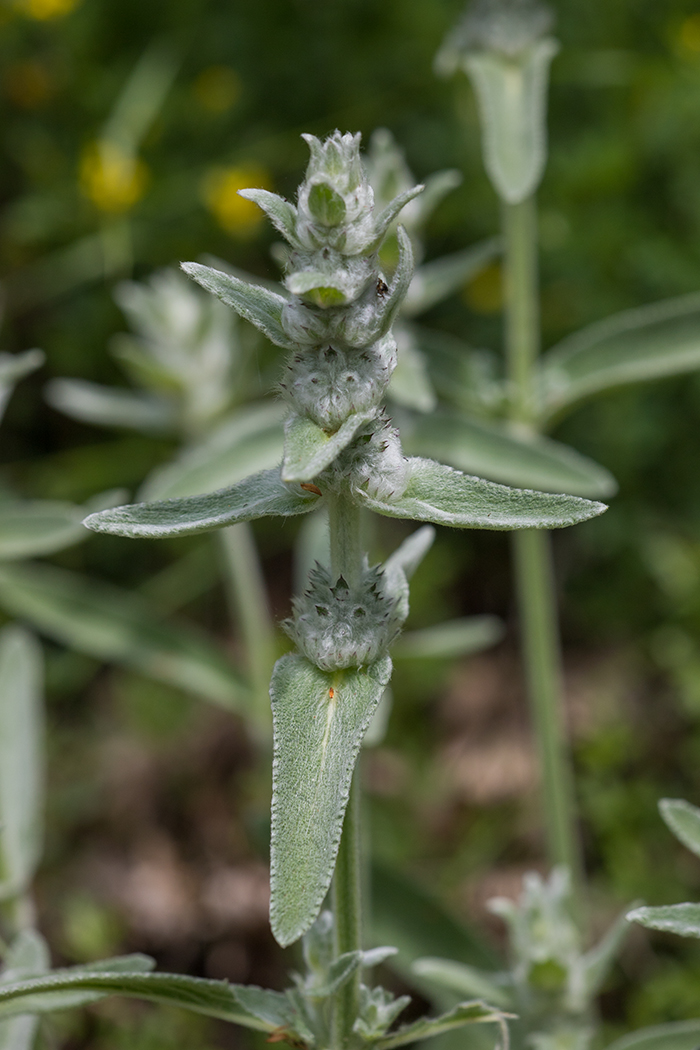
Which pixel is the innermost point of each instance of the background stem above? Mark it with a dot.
(537, 603)
(247, 597)
(347, 912)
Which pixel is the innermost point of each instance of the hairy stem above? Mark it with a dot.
(347, 912)
(532, 550)
(247, 598)
(346, 540)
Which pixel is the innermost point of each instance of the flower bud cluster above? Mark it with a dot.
(374, 462)
(336, 625)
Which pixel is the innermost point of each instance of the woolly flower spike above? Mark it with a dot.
(338, 626)
(374, 463)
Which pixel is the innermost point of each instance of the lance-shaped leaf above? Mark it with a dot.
(489, 450)
(64, 1000)
(434, 281)
(108, 406)
(429, 1027)
(319, 721)
(248, 442)
(385, 218)
(308, 449)
(447, 640)
(258, 496)
(28, 956)
(21, 759)
(32, 527)
(445, 496)
(255, 303)
(678, 1035)
(683, 919)
(631, 347)
(114, 625)
(683, 820)
(465, 980)
(281, 213)
(212, 998)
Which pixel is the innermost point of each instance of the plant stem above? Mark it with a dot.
(247, 598)
(347, 912)
(532, 550)
(346, 560)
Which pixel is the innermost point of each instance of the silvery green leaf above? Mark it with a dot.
(376, 956)
(512, 97)
(319, 719)
(598, 961)
(14, 367)
(21, 759)
(683, 820)
(434, 281)
(408, 556)
(247, 442)
(678, 1035)
(490, 450)
(32, 527)
(258, 496)
(435, 188)
(107, 406)
(211, 998)
(376, 730)
(631, 347)
(281, 213)
(28, 956)
(683, 919)
(115, 625)
(70, 999)
(410, 383)
(465, 980)
(445, 496)
(256, 304)
(428, 1027)
(339, 973)
(272, 1008)
(308, 449)
(385, 218)
(450, 639)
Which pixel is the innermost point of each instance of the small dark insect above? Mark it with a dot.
(382, 288)
(308, 487)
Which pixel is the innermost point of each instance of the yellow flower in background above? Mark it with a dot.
(112, 179)
(220, 194)
(28, 84)
(484, 293)
(689, 35)
(43, 10)
(217, 88)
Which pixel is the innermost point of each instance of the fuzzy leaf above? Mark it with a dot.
(436, 280)
(408, 556)
(429, 1027)
(21, 759)
(450, 639)
(108, 406)
(258, 496)
(255, 303)
(319, 721)
(115, 625)
(683, 919)
(631, 347)
(445, 496)
(385, 218)
(463, 979)
(339, 973)
(28, 956)
(512, 97)
(308, 449)
(678, 1035)
(272, 1008)
(212, 998)
(245, 443)
(683, 820)
(280, 212)
(70, 999)
(489, 450)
